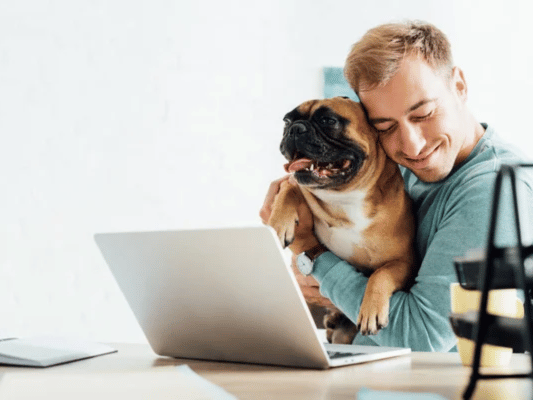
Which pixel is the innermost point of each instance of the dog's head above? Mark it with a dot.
(327, 143)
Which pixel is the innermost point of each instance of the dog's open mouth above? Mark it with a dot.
(318, 168)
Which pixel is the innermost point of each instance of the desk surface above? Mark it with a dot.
(418, 372)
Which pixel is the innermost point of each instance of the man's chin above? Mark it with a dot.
(429, 174)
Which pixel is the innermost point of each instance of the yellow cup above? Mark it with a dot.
(502, 302)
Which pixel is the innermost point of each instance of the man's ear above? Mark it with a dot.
(458, 82)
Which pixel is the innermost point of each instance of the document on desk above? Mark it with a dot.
(157, 383)
(368, 394)
(44, 351)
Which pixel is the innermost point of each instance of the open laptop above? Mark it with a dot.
(224, 295)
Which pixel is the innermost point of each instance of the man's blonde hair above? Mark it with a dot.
(375, 58)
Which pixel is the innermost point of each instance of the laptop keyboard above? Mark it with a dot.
(339, 354)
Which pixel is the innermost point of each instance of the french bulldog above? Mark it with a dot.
(360, 208)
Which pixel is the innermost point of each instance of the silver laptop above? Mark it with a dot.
(224, 295)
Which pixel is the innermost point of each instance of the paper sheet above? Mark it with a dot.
(43, 351)
(369, 394)
(157, 383)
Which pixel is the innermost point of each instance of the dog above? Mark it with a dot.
(360, 208)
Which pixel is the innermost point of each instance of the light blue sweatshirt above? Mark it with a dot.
(452, 218)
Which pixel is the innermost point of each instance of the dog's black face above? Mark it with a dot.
(319, 149)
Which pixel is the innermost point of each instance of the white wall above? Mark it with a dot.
(134, 115)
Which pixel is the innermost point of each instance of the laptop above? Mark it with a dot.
(223, 295)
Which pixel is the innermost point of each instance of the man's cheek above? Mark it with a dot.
(390, 146)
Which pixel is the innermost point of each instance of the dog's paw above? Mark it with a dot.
(339, 328)
(374, 313)
(285, 227)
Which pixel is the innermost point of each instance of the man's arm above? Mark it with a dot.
(419, 318)
(304, 239)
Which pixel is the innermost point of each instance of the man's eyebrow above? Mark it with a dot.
(419, 104)
(410, 109)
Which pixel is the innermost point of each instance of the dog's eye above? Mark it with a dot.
(327, 121)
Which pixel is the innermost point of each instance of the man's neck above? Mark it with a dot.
(471, 140)
(480, 131)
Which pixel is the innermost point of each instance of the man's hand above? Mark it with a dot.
(304, 240)
(310, 287)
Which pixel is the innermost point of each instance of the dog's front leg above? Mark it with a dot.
(284, 217)
(374, 311)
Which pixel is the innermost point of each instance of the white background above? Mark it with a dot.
(134, 115)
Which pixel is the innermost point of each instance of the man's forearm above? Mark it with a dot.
(418, 319)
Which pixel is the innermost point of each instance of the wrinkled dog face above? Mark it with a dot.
(326, 142)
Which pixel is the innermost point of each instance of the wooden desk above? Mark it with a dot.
(418, 372)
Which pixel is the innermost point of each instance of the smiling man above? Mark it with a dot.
(416, 100)
(431, 135)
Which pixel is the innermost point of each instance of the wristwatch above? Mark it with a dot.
(306, 260)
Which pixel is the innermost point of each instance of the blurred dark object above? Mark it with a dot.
(318, 313)
(498, 268)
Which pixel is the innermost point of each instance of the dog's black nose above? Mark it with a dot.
(298, 128)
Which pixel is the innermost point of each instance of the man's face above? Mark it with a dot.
(421, 119)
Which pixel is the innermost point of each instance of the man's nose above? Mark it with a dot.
(412, 140)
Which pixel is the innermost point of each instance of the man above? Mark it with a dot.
(416, 101)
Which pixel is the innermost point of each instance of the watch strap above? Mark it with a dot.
(315, 251)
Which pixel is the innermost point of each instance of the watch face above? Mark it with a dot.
(305, 265)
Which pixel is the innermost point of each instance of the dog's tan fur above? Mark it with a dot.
(372, 210)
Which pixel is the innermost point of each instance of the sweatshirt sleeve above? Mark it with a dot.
(419, 318)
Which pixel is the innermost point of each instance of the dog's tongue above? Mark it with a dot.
(298, 165)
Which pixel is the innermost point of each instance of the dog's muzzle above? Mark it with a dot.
(316, 159)
(303, 140)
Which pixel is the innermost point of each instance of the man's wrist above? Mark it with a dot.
(305, 261)
(314, 252)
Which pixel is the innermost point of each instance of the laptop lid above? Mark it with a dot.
(217, 294)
